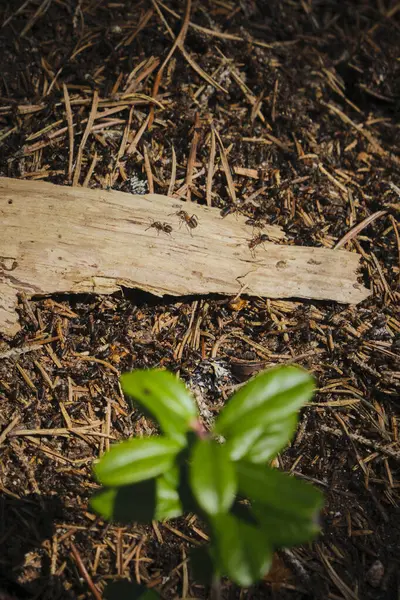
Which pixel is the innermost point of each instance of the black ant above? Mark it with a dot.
(158, 226)
(259, 239)
(228, 210)
(191, 222)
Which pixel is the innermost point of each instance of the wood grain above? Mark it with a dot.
(71, 239)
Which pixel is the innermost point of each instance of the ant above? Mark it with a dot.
(191, 222)
(158, 226)
(228, 210)
(259, 239)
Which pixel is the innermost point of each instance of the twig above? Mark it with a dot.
(227, 170)
(210, 173)
(139, 133)
(39, 13)
(84, 573)
(14, 352)
(70, 131)
(85, 136)
(178, 42)
(15, 420)
(147, 167)
(366, 442)
(192, 156)
(173, 174)
(90, 171)
(358, 228)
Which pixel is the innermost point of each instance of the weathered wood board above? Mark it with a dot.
(71, 239)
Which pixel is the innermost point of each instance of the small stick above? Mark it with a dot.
(273, 113)
(358, 228)
(173, 174)
(178, 42)
(225, 164)
(139, 133)
(85, 136)
(192, 156)
(70, 122)
(84, 573)
(211, 168)
(147, 167)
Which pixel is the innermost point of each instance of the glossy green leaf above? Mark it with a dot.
(242, 551)
(103, 502)
(135, 503)
(276, 490)
(212, 476)
(270, 441)
(136, 460)
(273, 396)
(202, 564)
(283, 529)
(126, 590)
(165, 397)
(168, 502)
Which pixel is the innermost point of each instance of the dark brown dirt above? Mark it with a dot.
(333, 62)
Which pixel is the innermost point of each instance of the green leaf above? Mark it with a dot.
(212, 476)
(242, 551)
(276, 490)
(103, 502)
(282, 529)
(202, 564)
(269, 398)
(125, 590)
(163, 396)
(134, 503)
(136, 460)
(168, 502)
(271, 440)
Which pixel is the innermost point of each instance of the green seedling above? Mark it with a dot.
(224, 475)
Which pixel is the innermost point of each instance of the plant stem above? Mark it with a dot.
(215, 590)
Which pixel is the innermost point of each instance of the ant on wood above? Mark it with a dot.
(256, 241)
(158, 226)
(190, 222)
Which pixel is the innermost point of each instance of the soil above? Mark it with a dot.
(306, 97)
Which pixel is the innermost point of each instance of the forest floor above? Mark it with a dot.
(305, 98)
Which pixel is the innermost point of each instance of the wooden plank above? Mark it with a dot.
(70, 239)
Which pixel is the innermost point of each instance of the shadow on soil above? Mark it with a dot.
(25, 526)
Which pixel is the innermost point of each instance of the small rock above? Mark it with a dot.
(375, 574)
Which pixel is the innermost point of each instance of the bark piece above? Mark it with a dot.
(57, 239)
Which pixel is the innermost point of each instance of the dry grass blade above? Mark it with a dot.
(17, 12)
(341, 585)
(70, 122)
(227, 170)
(179, 40)
(39, 13)
(83, 571)
(85, 137)
(133, 145)
(141, 25)
(147, 167)
(192, 156)
(206, 30)
(350, 235)
(362, 131)
(195, 66)
(7, 430)
(173, 174)
(210, 173)
(91, 170)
